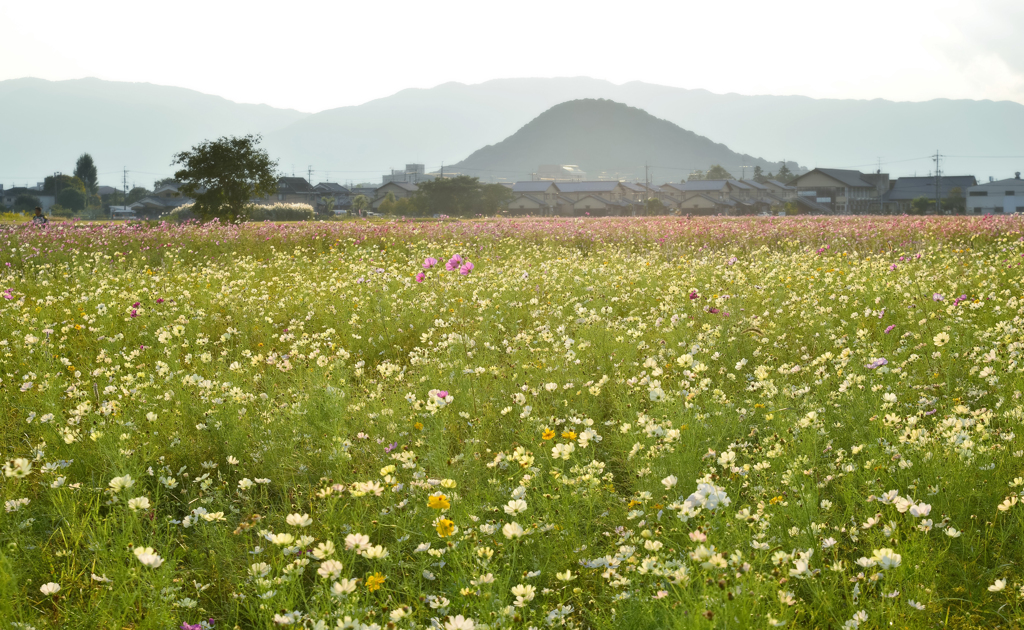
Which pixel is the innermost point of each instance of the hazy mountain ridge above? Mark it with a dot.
(45, 125)
(607, 140)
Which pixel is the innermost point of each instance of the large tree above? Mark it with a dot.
(717, 172)
(494, 198)
(25, 203)
(223, 175)
(72, 199)
(955, 202)
(85, 170)
(458, 196)
(759, 175)
(360, 203)
(54, 184)
(784, 175)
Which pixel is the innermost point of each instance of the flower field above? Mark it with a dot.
(599, 423)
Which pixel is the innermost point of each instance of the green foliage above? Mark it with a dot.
(136, 194)
(58, 210)
(360, 204)
(654, 206)
(85, 170)
(163, 182)
(25, 203)
(229, 171)
(406, 207)
(460, 196)
(955, 203)
(784, 175)
(494, 198)
(328, 205)
(921, 205)
(717, 172)
(54, 184)
(759, 175)
(696, 176)
(72, 199)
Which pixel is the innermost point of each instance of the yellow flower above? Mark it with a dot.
(418, 426)
(374, 582)
(548, 434)
(438, 502)
(445, 528)
(569, 435)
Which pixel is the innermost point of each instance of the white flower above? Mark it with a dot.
(997, 586)
(459, 622)
(138, 503)
(512, 530)
(50, 588)
(917, 605)
(886, 558)
(330, 569)
(562, 451)
(283, 540)
(344, 586)
(941, 339)
(566, 577)
(357, 542)
(323, 550)
(920, 509)
(299, 520)
(669, 482)
(524, 594)
(148, 557)
(259, 569)
(118, 484)
(19, 468)
(828, 542)
(952, 532)
(515, 506)
(377, 552)
(245, 484)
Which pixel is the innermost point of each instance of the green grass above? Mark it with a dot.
(254, 383)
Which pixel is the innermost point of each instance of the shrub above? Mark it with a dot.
(58, 210)
(255, 212)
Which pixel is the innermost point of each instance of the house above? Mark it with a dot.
(329, 190)
(9, 195)
(906, 189)
(104, 191)
(413, 174)
(608, 190)
(159, 202)
(778, 189)
(122, 213)
(400, 190)
(1005, 196)
(293, 190)
(529, 204)
(535, 197)
(843, 191)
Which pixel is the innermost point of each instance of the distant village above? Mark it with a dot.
(564, 190)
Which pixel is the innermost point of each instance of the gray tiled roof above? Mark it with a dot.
(293, 185)
(753, 184)
(853, 179)
(698, 185)
(909, 188)
(634, 187)
(403, 185)
(779, 184)
(587, 187)
(531, 198)
(527, 187)
(331, 187)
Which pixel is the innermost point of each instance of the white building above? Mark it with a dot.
(1005, 196)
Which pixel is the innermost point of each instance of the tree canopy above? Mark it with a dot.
(785, 175)
(54, 184)
(85, 170)
(223, 175)
(71, 199)
(25, 203)
(717, 172)
(461, 196)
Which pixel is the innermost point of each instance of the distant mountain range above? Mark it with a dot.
(607, 140)
(45, 125)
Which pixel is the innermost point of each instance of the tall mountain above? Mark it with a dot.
(608, 140)
(46, 125)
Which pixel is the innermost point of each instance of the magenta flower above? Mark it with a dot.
(937, 297)
(889, 329)
(420, 276)
(134, 313)
(466, 268)
(442, 394)
(693, 295)
(429, 262)
(877, 363)
(453, 263)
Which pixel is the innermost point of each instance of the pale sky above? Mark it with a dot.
(313, 55)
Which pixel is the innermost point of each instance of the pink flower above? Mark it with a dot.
(420, 276)
(693, 295)
(453, 263)
(429, 262)
(466, 268)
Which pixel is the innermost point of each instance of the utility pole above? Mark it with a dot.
(442, 170)
(938, 174)
(310, 176)
(124, 183)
